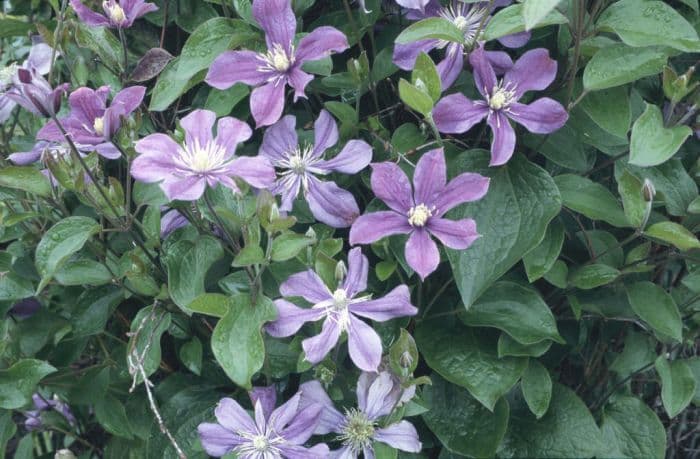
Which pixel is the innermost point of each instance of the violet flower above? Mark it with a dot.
(270, 434)
(299, 165)
(184, 171)
(171, 220)
(33, 418)
(118, 14)
(534, 71)
(270, 72)
(419, 212)
(91, 123)
(357, 429)
(34, 93)
(339, 311)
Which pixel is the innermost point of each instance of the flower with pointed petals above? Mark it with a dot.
(419, 212)
(299, 165)
(271, 72)
(357, 429)
(34, 93)
(339, 310)
(118, 14)
(534, 71)
(91, 123)
(270, 434)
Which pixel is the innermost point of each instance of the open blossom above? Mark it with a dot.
(534, 71)
(270, 72)
(340, 310)
(419, 212)
(30, 90)
(270, 434)
(357, 429)
(117, 13)
(91, 123)
(299, 166)
(184, 171)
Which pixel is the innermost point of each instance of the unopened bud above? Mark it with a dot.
(340, 271)
(274, 212)
(310, 233)
(420, 84)
(64, 454)
(648, 190)
(406, 360)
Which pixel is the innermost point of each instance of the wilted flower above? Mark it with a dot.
(34, 93)
(33, 421)
(419, 212)
(270, 72)
(91, 123)
(534, 71)
(339, 310)
(357, 429)
(300, 164)
(185, 170)
(118, 14)
(270, 434)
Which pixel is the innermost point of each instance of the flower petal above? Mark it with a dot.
(391, 185)
(364, 345)
(232, 67)
(422, 253)
(430, 176)
(87, 104)
(267, 396)
(331, 419)
(285, 413)
(319, 451)
(291, 318)
(358, 268)
(516, 40)
(280, 139)
(354, 157)
(88, 16)
(534, 71)
(325, 133)
(331, 204)
(184, 188)
(500, 61)
(108, 150)
(455, 114)
(503, 143)
(344, 453)
(255, 170)
(543, 116)
(371, 227)
(405, 55)
(456, 235)
(230, 132)
(155, 160)
(396, 303)
(277, 20)
(232, 416)
(317, 347)
(321, 42)
(465, 187)
(298, 79)
(197, 126)
(267, 103)
(378, 401)
(451, 66)
(50, 132)
(128, 99)
(302, 426)
(217, 440)
(39, 58)
(307, 285)
(402, 436)
(484, 75)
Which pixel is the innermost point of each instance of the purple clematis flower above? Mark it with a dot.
(357, 429)
(34, 422)
(171, 220)
(91, 123)
(34, 93)
(270, 72)
(299, 165)
(185, 170)
(270, 434)
(420, 212)
(118, 14)
(534, 71)
(339, 310)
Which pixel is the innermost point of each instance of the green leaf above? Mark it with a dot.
(508, 347)
(652, 143)
(537, 388)
(18, 383)
(93, 309)
(677, 385)
(657, 308)
(535, 12)
(14, 287)
(460, 422)
(649, 23)
(633, 203)
(111, 415)
(416, 98)
(60, 242)
(249, 255)
(191, 355)
(517, 310)
(610, 109)
(631, 429)
(7, 427)
(639, 351)
(620, 64)
(674, 234)
(591, 199)
(511, 20)
(237, 341)
(694, 365)
(10, 27)
(151, 322)
(102, 42)
(594, 275)
(223, 101)
(425, 76)
(288, 245)
(211, 304)
(468, 360)
(26, 179)
(83, 272)
(431, 28)
(512, 219)
(540, 260)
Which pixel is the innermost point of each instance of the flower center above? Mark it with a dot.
(277, 59)
(340, 299)
(260, 443)
(99, 125)
(419, 215)
(501, 96)
(296, 163)
(7, 74)
(357, 431)
(467, 18)
(203, 158)
(115, 12)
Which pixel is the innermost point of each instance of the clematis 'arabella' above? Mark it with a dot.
(419, 212)
(298, 166)
(30, 90)
(270, 72)
(119, 14)
(340, 310)
(534, 71)
(185, 170)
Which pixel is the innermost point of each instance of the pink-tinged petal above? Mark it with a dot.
(543, 116)
(356, 279)
(88, 16)
(396, 303)
(405, 55)
(197, 126)
(354, 157)
(451, 66)
(430, 176)
(299, 429)
(157, 145)
(377, 396)
(484, 75)
(277, 20)
(455, 114)
(364, 345)
(267, 396)
(307, 285)
(465, 187)
(140, 8)
(183, 188)
(422, 253)
(267, 103)
(320, 43)
(232, 416)
(500, 61)
(317, 347)
(374, 226)
(87, 104)
(325, 133)
(108, 150)
(129, 99)
(50, 132)
(291, 318)
(319, 451)
(331, 419)
(155, 160)
(280, 139)
(331, 204)
(254, 170)
(534, 71)
(457, 235)
(516, 40)
(503, 143)
(391, 185)
(298, 79)
(230, 132)
(232, 67)
(217, 440)
(40, 58)
(402, 436)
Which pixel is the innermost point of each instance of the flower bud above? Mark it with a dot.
(648, 190)
(64, 454)
(340, 271)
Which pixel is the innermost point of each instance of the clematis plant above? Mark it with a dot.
(299, 165)
(419, 212)
(270, 72)
(340, 310)
(184, 171)
(534, 71)
(34, 93)
(118, 14)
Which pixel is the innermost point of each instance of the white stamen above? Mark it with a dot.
(467, 18)
(276, 59)
(501, 96)
(99, 125)
(202, 158)
(114, 11)
(418, 216)
(299, 162)
(357, 431)
(7, 74)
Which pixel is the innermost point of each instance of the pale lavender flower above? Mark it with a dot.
(171, 220)
(340, 310)
(30, 90)
(117, 14)
(299, 165)
(184, 171)
(534, 71)
(270, 72)
(419, 212)
(91, 123)
(33, 418)
(358, 429)
(270, 434)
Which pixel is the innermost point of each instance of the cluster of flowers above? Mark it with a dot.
(290, 168)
